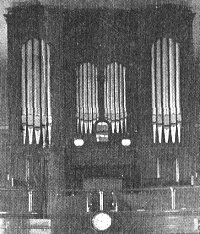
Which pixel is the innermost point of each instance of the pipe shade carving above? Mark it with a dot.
(166, 109)
(36, 100)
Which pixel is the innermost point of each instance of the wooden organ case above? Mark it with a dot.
(157, 52)
(100, 75)
(31, 49)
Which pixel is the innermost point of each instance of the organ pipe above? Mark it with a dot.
(165, 72)
(153, 93)
(178, 91)
(23, 88)
(49, 114)
(177, 171)
(165, 87)
(36, 100)
(29, 90)
(172, 89)
(86, 97)
(158, 168)
(115, 97)
(159, 91)
(36, 84)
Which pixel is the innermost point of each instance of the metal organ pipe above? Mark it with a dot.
(115, 96)
(172, 90)
(158, 168)
(112, 94)
(36, 102)
(124, 97)
(121, 94)
(23, 89)
(96, 97)
(107, 99)
(43, 87)
(177, 171)
(165, 72)
(178, 106)
(153, 92)
(159, 90)
(90, 117)
(87, 97)
(165, 87)
(36, 83)
(49, 114)
(29, 90)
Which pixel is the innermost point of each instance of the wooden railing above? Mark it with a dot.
(20, 202)
(165, 199)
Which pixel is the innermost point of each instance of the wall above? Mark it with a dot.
(19, 225)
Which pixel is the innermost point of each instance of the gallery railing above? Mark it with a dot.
(168, 199)
(165, 199)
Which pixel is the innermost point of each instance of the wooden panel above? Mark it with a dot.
(130, 223)
(148, 153)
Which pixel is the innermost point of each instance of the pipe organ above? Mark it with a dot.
(103, 76)
(166, 108)
(87, 97)
(115, 97)
(35, 92)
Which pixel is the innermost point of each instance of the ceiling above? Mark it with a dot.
(195, 4)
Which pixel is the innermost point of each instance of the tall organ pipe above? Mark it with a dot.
(114, 97)
(86, 97)
(35, 88)
(165, 72)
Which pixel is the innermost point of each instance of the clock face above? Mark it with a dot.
(101, 221)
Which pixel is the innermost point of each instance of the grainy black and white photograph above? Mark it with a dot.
(99, 116)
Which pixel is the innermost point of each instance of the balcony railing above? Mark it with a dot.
(20, 202)
(168, 199)
(165, 199)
